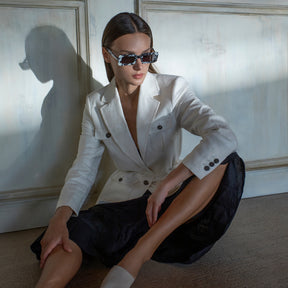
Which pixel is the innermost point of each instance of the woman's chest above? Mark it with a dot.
(130, 116)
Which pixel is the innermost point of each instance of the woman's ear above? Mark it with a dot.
(106, 55)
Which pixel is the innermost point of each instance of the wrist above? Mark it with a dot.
(165, 187)
(62, 215)
(176, 177)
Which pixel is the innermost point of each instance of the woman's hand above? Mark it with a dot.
(154, 203)
(173, 179)
(56, 234)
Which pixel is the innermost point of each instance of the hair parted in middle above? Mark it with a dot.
(122, 24)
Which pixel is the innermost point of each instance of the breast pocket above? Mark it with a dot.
(162, 130)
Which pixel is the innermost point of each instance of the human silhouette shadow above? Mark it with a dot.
(51, 56)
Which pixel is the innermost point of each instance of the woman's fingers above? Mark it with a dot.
(155, 213)
(149, 213)
(66, 245)
(51, 241)
(152, 211)
(46, 250)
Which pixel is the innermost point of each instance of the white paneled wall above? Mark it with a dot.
(234, 54)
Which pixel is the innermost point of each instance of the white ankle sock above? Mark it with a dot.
(118, 277)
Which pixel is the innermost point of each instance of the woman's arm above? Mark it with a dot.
(173, 179)
(82, 174)
(218, 140)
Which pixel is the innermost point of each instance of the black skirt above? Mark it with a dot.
(110, 230)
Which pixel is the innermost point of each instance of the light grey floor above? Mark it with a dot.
(253, 253)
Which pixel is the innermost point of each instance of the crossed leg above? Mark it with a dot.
(194, 197)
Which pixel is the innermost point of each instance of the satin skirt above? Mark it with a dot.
(108, 231)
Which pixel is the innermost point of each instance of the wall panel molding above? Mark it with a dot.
(267, 163)
(81, 18)
(279, 8)
(29, 194)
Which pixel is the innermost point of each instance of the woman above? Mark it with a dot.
(152, 206)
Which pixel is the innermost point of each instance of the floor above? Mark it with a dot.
(253, 253)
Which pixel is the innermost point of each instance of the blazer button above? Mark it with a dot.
(159, 127)
(120, 179)
(206, 168)
(108, 135)
(216, 160)
(211, 164)
(146, 182)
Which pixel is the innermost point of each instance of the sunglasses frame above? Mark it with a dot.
(121, 56)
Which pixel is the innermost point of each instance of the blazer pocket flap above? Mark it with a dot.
(102, 133)
(124, 178)
(162, 124)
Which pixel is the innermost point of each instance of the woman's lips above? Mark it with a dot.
(138, 76)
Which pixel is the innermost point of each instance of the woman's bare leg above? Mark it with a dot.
(194, 197)
(60, 267)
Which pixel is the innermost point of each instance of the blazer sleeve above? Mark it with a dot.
(218, 140)
(82, 174)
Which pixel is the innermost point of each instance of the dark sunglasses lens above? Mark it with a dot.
(149, 57)
(127, 60)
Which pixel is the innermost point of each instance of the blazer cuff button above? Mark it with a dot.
(211, 164)
(206, 168)
(216, 160)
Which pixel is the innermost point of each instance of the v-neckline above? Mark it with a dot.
(133, 134)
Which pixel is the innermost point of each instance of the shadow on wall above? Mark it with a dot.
(51, 56)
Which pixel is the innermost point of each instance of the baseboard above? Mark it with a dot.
(27, 209)
(266, 182)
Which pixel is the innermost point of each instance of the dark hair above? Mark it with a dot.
(122, 24)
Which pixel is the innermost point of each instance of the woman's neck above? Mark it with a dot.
(128, 93)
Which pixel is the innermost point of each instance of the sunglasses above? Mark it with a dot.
(130, 59)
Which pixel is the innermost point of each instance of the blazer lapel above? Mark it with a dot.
(114, 119)
(147, 109)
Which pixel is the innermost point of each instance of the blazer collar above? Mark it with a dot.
(114, 118)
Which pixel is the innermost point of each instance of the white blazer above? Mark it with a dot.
(166, 104)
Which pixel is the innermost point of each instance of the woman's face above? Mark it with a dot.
(130, 75)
